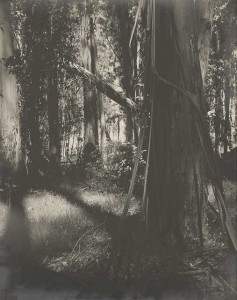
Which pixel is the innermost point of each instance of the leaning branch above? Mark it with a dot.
(104, 87)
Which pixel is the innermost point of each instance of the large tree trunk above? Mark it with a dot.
(13, 243)
(90, 63)
(176, 174)
(10, 142)
(54, 138)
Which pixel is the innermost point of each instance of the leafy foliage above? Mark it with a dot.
(115, 173)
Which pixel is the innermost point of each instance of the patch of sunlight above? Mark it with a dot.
(3, 217)
(54, 224)
(41, 204)
(109, 202)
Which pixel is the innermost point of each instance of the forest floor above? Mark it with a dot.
(71, 233)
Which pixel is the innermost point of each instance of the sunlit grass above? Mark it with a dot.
(109, 202)
(54, 224)
(61, 230)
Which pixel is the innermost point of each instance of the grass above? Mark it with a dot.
(65, 238)
(54, 227)
(110, 203)
(53, 222)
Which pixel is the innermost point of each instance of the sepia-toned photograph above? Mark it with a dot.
(118, 150)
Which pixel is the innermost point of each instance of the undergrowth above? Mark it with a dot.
(64, 238)
(112, 172)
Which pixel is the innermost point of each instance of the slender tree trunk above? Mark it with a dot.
(30, 105)
(235, 122)
(227, 131)
(54, 138)
(32, 116)
(90, 63)
(118, 129)
(176, 181)
(128, 61)
(218, 120)
(102, 125)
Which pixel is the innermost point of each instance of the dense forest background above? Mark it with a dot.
(118, 97)
(68, 111)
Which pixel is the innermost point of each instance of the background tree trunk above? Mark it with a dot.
(102, 125)
(54, 138)
(90, 63)
(227, 131)
(32, 94)
(128, 57)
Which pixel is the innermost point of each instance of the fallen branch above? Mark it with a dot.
(104, 87)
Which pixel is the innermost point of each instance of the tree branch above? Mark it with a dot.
(104, 87)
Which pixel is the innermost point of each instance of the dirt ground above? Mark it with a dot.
(65, 236)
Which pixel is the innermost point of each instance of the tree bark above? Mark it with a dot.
(218, 120)
(176, 181)
(204, 18)
(31, 93)
(227, 130)
(52, 97)
(10, 140)
(90, 63)
(102, 125)
(128, 61)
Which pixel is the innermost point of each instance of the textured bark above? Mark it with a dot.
(102, 125)
(30, 112)
(218, 120)
(52, 95)
(10, 142)
(32, 120)
(176, 180)
(227, 129)
(12, 242)
(90, 63)
(128, 60)
(105, 88)
(204, 17)
(229, 37)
